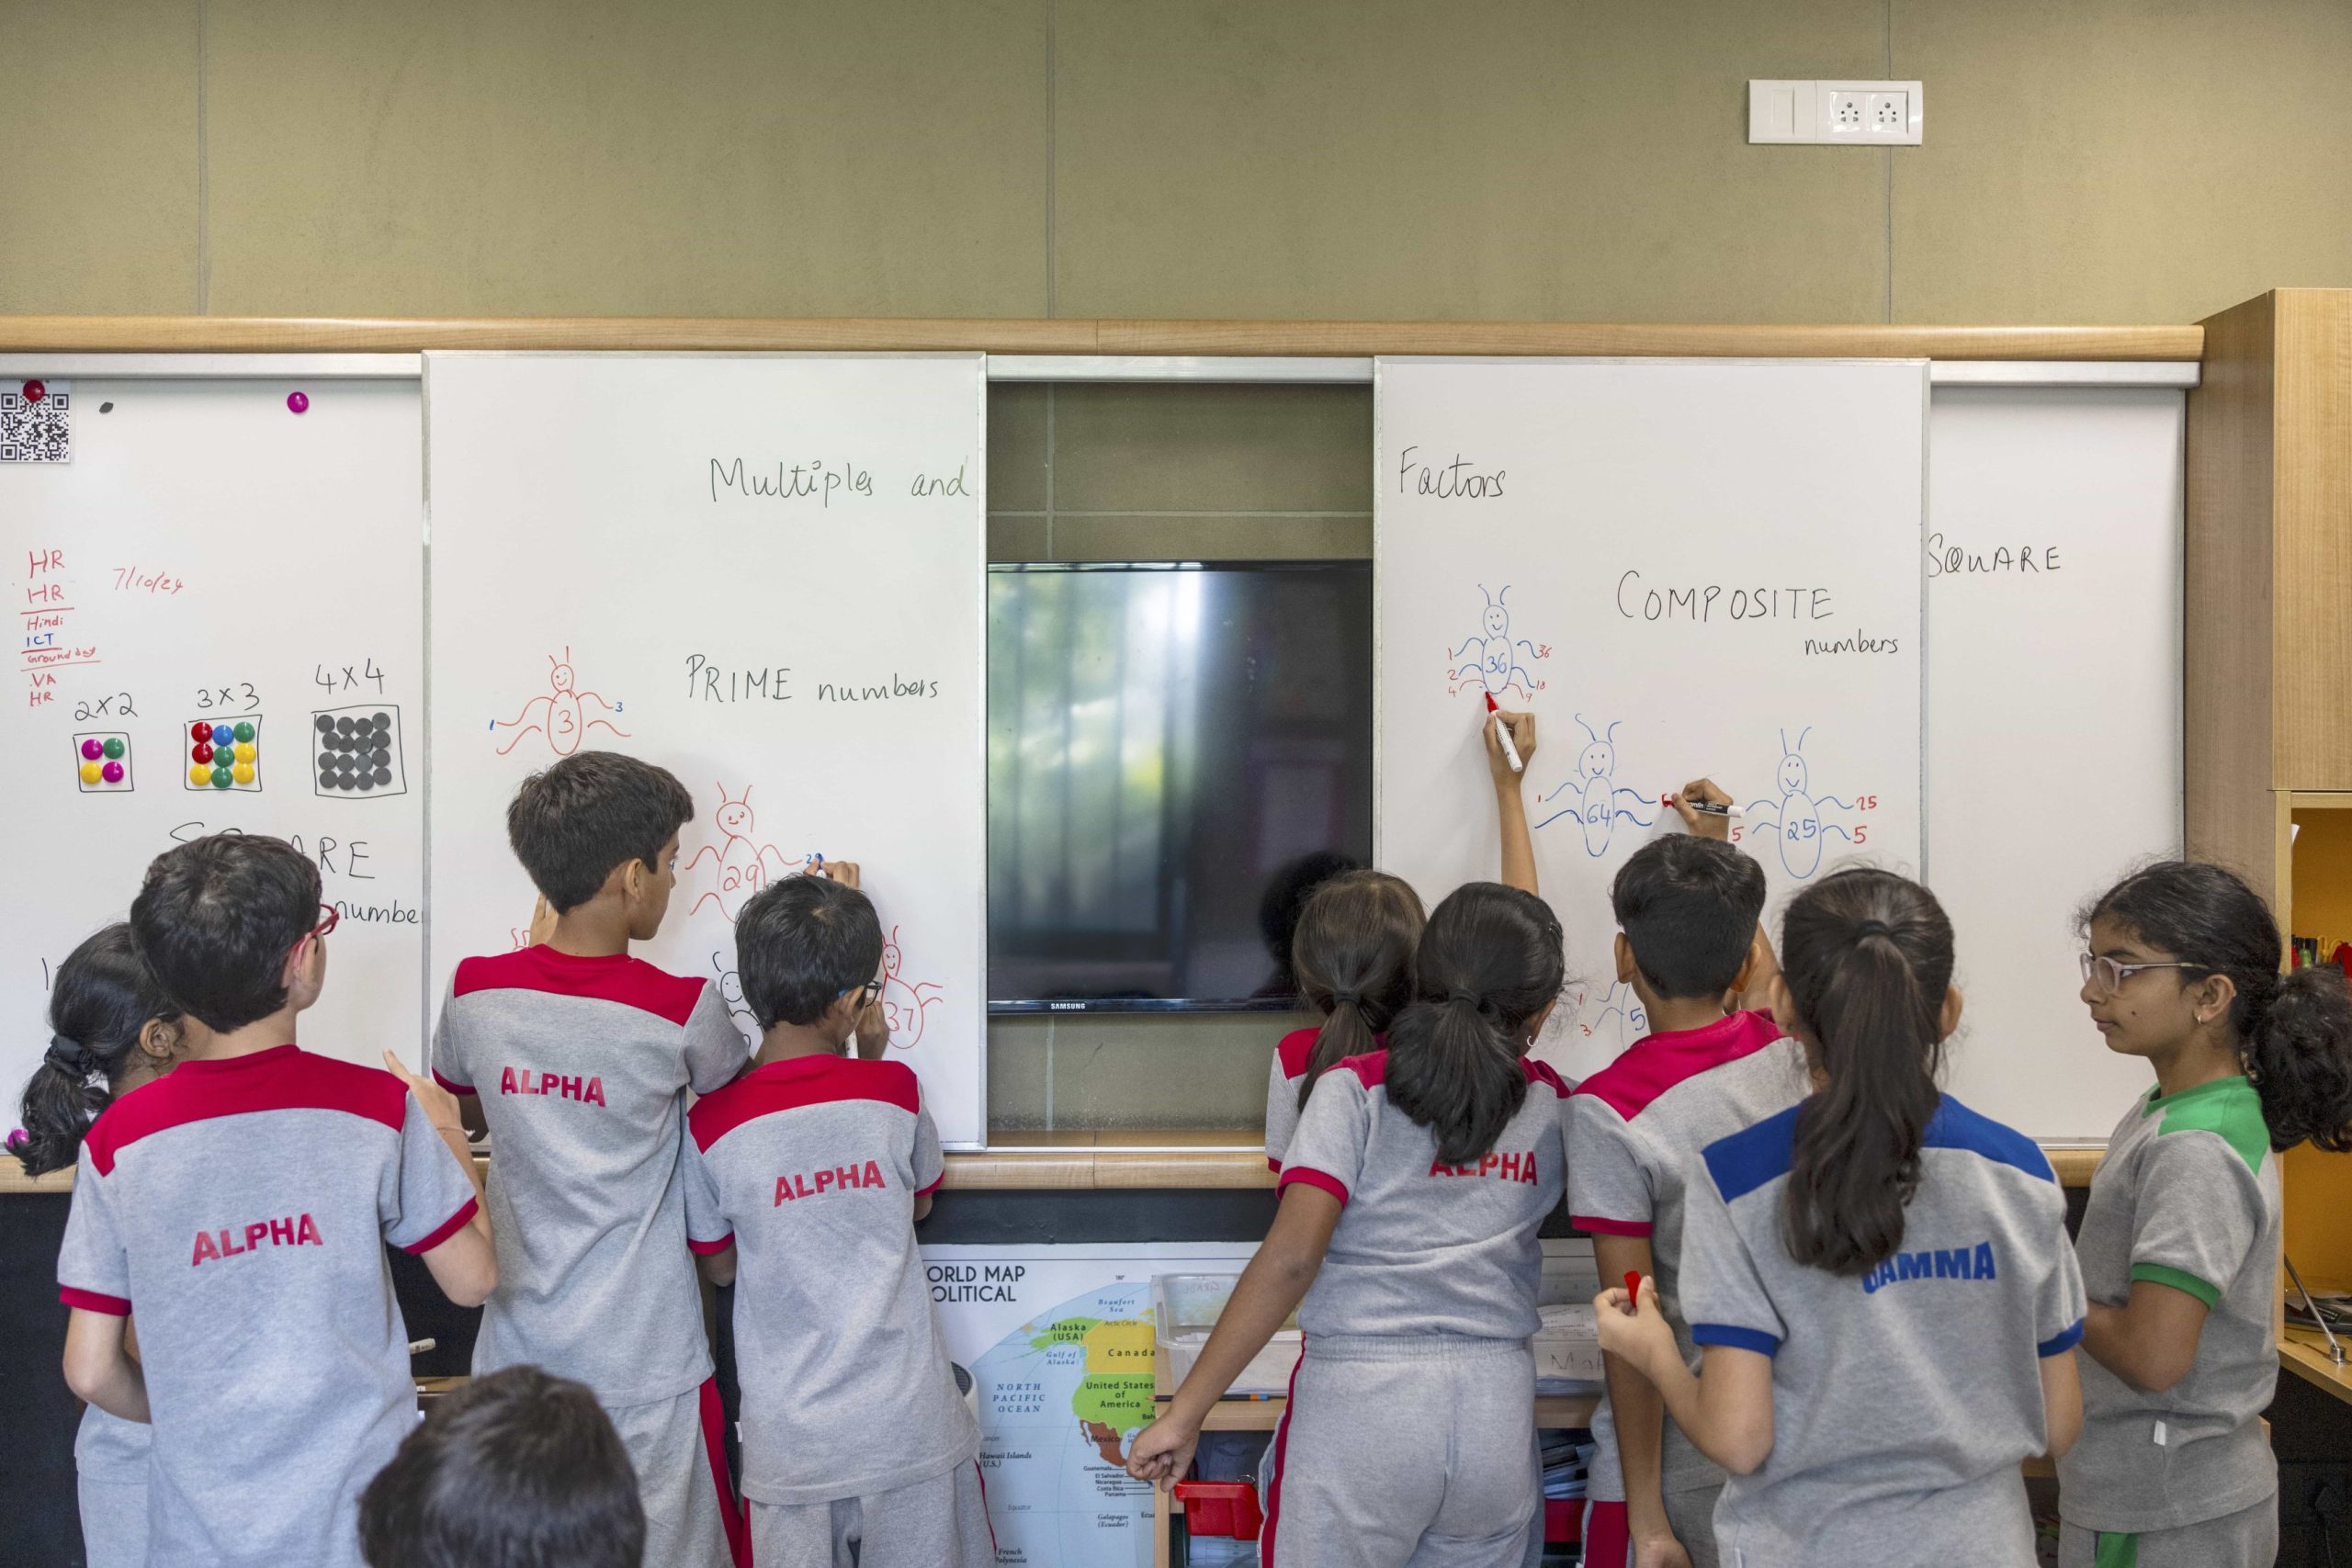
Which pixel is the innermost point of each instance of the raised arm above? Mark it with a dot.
(1511, 803)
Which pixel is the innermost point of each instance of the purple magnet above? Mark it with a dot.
(93, 750)
(298, 401)
(35, 391)
(111, 773)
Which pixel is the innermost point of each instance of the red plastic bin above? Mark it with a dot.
(1220, 1507)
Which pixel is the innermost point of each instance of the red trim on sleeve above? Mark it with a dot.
(1541, 1072)
(284, 1077)
(452, 1085)
(799, 1081)
(1592, 1225)
(630, 982)
(1273, 1165)
(1371, 1068)
(94, 1301)
(710, 1248)
(444, 1230)
(1313, 1178)
(927, 1192)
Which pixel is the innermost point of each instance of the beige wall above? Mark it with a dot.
(2086, 161)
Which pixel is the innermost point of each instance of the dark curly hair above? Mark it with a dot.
(2294, 1030)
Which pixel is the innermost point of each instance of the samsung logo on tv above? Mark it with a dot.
(1066, 1007)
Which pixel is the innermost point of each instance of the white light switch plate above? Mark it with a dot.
(1837, 114)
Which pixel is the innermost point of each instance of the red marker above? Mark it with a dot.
(1632, 1292)
(1502, 733)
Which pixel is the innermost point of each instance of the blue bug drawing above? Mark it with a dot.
(1620, 1002)
(1492, 659)
(1795, 814)
(1592, 796)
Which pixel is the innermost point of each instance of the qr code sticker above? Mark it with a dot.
(36, 429)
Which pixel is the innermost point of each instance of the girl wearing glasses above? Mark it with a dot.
(2180, 1243)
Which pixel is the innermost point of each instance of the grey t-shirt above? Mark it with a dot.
(243, 1206)
(2187, 1196)
(1422, 1246)
(108, 1448)
(811, 1168)
(581, 1066)
(1904, 1400)
(1292, 1052)
(1635, 1130)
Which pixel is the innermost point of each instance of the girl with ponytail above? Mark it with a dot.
(1878, 1277)
(111, 1029)
(1405, 1240)
(2180, 1240)
(1352, 950)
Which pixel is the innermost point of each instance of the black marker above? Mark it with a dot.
(1704, 808)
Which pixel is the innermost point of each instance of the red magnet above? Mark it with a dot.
(35, 391)
(200, 730)
(298, 401)
(202, 752)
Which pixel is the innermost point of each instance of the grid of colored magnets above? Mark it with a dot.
(102, 763)
(224, 754)
(357, 752)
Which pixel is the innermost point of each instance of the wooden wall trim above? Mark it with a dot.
(2310, 500)
(267, 334)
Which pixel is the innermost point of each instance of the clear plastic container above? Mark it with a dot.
(1185, 1307)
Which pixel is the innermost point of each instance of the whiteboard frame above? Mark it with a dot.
(1202, 370)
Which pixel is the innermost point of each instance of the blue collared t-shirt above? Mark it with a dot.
(1903, 1399)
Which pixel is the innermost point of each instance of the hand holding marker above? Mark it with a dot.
(1502, 733)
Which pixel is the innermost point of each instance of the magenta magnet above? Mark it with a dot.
(298, 401)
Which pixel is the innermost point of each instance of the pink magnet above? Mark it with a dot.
(35, 391)
(111, 773)
(93, 750)
(298, 401)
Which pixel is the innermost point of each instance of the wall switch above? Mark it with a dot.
(1846, 114)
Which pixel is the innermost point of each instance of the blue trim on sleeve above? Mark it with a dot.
(1732, 1338)
(1954, 1127)
(1753, 1156)
(2061, 1342)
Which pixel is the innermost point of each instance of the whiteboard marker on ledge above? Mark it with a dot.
(1704, 808)
(1502, 733)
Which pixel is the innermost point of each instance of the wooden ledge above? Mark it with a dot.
(1045, 1162)
(287, 334)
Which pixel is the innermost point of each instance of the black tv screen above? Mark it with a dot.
(1173, 750)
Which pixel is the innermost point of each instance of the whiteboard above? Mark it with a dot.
(1683, 568)
(209, 555)
(2053, 716)
(763, 572)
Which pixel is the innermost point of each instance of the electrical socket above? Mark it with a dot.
(1846, 114)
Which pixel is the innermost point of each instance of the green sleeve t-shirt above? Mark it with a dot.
(2187, 1197)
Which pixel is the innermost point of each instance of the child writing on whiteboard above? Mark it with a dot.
(1878, 1278)
(241, 1205)
(1405, 1239)
(111, 1030)
(1351, 951)
(1690, 945)
(804, 1179)
(2179, 1243)
(577, 1057)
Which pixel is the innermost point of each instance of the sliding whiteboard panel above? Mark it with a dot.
(2054, 572)
(764, 573)
(209, 556)
(1682, 568)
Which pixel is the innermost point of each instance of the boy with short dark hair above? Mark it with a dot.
(517, 1469)
(1691, 947)
(807, 1175)
(577, 1056)
(240, 1203)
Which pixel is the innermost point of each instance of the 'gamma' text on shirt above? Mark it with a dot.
(1946, 1263)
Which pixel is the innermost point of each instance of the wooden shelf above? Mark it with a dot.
(267, 334)
(2304, 1352)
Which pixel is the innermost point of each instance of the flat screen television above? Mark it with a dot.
(1175, 751)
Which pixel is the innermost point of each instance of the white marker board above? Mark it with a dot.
(2054, 577)
(763, 572)
(1682, 567)
(209, 555)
